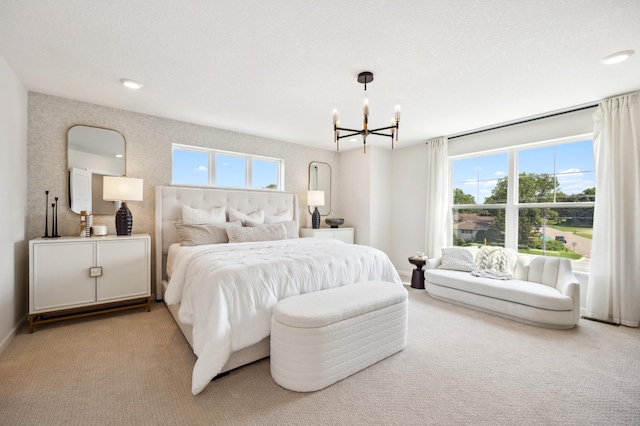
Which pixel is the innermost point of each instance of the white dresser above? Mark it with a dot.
(342, 234)
(70, 273)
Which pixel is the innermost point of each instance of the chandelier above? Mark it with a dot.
(364, 78)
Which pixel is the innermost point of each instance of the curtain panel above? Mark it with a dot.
(439, 226)
(613, 293)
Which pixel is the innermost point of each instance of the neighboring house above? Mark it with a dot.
(467, 225)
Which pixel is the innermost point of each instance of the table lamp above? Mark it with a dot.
(315, 199)
(122, 189)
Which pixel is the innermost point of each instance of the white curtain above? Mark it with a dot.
(613, 293)
(439, 225)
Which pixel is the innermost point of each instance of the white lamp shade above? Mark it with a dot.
(315, 198)
(121, 189)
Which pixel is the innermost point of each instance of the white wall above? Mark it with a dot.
(365, 195)
(408, 205)
(380, 199)
(13, 206)
(355, 193)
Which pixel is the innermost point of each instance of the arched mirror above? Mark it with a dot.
(320, 180)
(92, 153)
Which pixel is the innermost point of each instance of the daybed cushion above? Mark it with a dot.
(517, 291)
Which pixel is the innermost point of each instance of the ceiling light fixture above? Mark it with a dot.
(617, 57)
(131, 84)
(364, 78)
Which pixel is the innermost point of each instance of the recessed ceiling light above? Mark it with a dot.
(119, 155)
(614, 58)
(131, 84)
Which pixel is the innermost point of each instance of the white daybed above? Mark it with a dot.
(543, 292)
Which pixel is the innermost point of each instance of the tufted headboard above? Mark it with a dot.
(170, 199)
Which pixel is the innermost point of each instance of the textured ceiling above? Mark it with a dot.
(277, 68)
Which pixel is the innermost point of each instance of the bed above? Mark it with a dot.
(222, 295)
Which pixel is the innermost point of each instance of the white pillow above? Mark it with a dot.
(191, 216)
(291, 226)
(457, 259)
(272, 232)
(257, 216)
(497, 258)
(284, 216)
(209, 233)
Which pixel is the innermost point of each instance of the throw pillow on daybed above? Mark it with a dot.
(497, 258)
(457, 259)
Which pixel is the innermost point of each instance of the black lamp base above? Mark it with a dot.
(315, 219)
(124, 220)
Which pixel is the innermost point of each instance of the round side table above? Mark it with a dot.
(417, 279)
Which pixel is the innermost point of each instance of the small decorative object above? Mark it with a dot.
(100, 230)
(122, 189)
(46, 215)
(88, 222)
(55, 221)
(315, 199)
(334, 222)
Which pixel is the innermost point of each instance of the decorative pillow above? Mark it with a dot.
(191, 216)
(457, 259)
(291, 226)
(271, 232)
(497, 258)
(284, 216)
(212, 233)
(257, 216)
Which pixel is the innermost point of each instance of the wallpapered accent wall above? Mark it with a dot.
(148, 156)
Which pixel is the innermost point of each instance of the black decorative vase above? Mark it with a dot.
(124, 220)
(315, 219)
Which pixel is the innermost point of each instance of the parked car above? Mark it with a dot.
(561, 239)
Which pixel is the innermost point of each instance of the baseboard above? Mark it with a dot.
(9, 337)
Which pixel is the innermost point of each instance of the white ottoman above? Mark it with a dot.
(320, 338)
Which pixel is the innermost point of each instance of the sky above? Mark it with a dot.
(572, 163)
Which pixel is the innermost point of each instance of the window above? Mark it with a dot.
(208, 167)
(537, 200)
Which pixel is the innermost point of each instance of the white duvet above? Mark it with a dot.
(227, 291)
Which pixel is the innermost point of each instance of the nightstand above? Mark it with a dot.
(71, 274)
(342, 234)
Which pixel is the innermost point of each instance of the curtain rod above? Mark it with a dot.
(473, 132)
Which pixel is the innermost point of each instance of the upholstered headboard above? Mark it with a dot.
(170, 199)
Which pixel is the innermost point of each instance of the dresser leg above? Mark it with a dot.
(31, 317)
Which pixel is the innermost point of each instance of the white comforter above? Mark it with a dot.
(227, 291)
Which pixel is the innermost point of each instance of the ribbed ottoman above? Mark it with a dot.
(320, 338)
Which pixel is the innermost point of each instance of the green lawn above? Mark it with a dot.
(574, 230)
(569, 255)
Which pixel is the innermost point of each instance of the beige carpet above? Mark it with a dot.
(459, 367)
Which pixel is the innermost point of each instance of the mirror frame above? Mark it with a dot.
(99, 206)
(326, 209)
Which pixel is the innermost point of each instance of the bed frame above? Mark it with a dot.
(169, 202)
